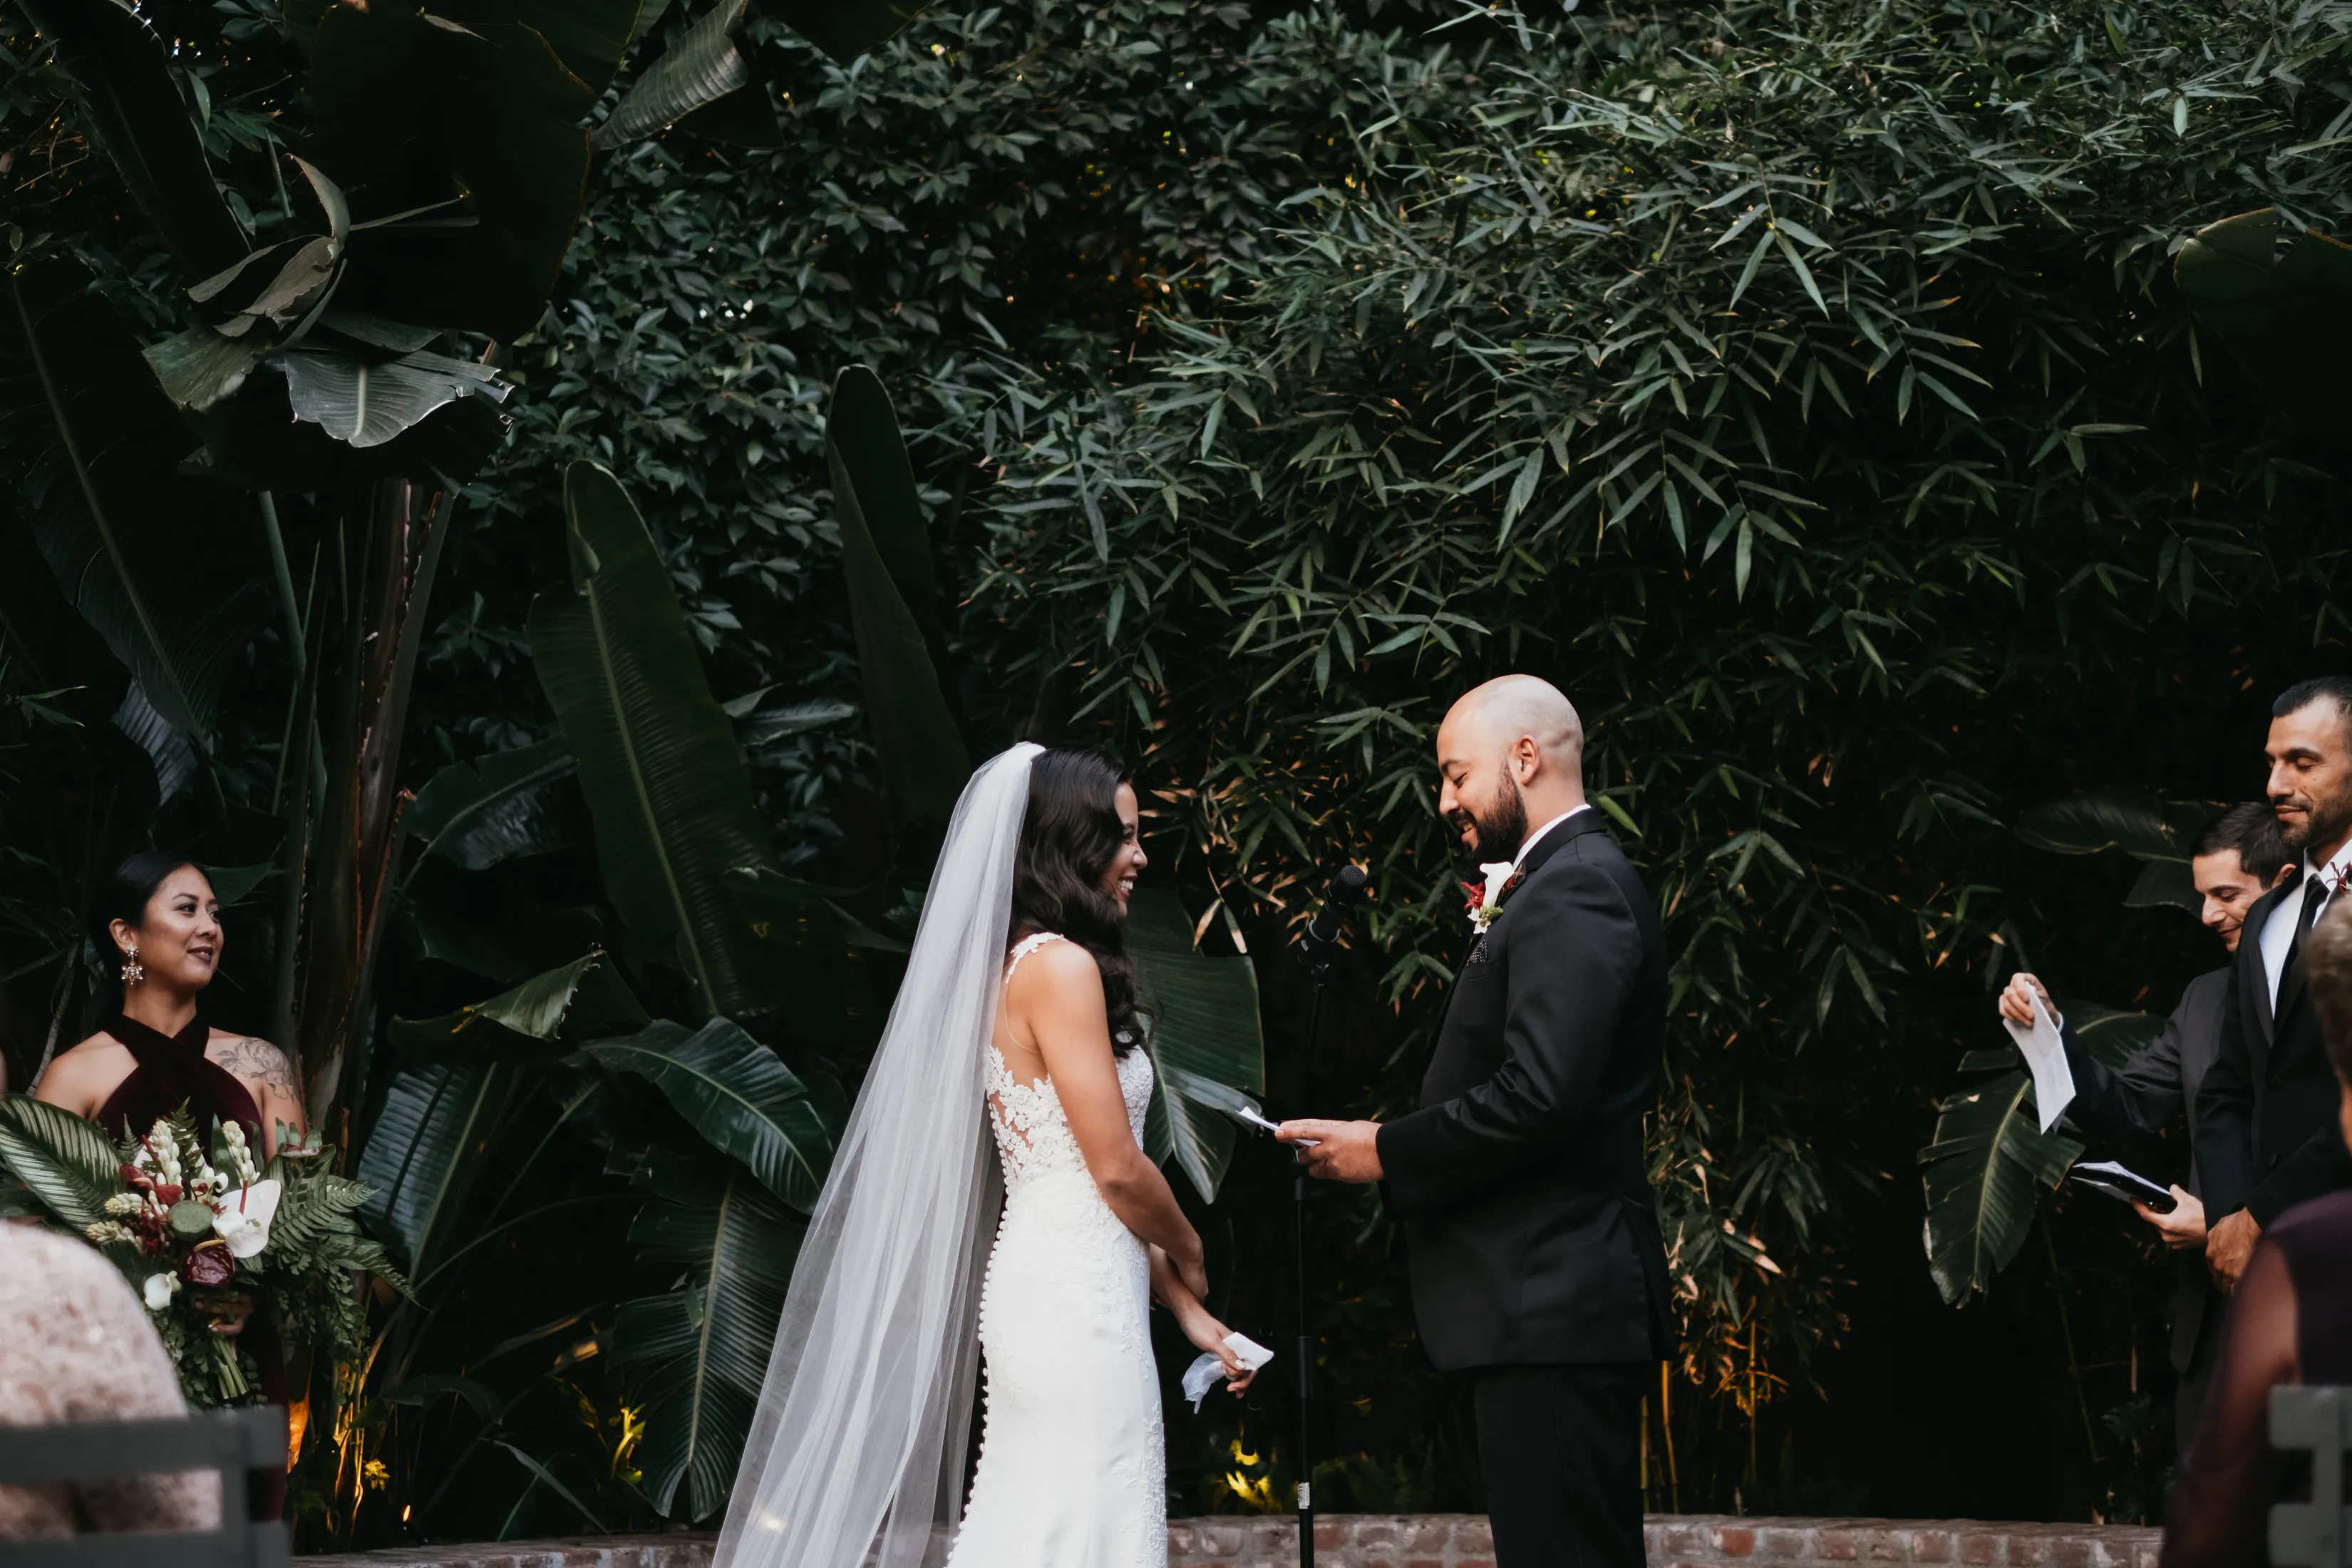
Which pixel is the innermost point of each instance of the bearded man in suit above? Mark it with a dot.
(1536, 1264)
(2266, 1134)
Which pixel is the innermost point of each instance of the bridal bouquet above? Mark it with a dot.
(202, 1231)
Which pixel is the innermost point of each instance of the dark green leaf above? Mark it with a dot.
(482, 814)
(585, 998)
(1980, 1174)
(1203, 1018)
(657, 755)
(923, 757)
(739, 1095)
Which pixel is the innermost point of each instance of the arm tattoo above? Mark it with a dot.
(261, 1062)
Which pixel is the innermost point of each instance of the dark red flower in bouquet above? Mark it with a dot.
(208, 1263)
(167, 1192)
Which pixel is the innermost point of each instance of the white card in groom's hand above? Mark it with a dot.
(1249, 1114)
(2053, 1081)
(1202, 1375)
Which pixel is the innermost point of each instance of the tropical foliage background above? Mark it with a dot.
(1804, 387)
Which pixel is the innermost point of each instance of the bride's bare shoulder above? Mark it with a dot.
(1054, 973)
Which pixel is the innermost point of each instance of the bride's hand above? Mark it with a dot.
(1207, 1333)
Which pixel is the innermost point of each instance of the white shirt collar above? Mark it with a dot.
(1530, 841)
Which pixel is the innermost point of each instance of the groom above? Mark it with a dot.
(1535, 1259)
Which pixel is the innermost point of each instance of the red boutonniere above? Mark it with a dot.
(1485, 899)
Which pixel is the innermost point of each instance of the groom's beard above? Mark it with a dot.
(1501, 828)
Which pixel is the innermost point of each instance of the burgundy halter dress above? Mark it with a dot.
(173, 1072)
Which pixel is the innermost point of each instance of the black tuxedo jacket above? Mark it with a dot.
(1520, 1180)
(2164, 1080)
(2266, 1134)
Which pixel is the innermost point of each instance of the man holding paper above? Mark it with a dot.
(2237, 859)
(1538, 1268)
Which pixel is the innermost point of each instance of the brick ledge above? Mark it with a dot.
(1433, 1541)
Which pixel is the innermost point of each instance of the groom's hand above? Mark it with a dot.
(1343, 1152)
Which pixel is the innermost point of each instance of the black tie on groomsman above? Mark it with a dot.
(2236, 860)
(2266, 1131)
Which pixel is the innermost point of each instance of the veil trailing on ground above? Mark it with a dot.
(862, 1421)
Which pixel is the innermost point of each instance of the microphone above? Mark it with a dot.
(1339, 901)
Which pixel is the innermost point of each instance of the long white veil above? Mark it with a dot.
(861, 1424)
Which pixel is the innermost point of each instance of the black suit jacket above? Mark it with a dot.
(2163, 1080)
(2266, 1132)
(1520, 1180)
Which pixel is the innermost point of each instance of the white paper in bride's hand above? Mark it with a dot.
(2054, 1082)
(1203, 1374)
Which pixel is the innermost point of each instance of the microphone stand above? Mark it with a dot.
(1316, 958)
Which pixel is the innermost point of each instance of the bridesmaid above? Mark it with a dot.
(154, 1055)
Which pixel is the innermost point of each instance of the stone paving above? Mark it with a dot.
(1436, 1541)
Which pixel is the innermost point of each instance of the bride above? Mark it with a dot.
(1019, 1009)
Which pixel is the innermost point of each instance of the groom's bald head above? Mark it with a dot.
(1509, 707)
(1509, 753)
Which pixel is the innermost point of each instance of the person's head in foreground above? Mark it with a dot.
(1510, 756)
(2310, 751)
(1079, 856)
(2239, 858)
(158, 916)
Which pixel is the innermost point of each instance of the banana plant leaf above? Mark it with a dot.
(657, 754)
(368, 403)
(2133, 821)
(756, 726)
(424, 1151)
(739, 1095)
(923, 758)
(164, 566)
(808, 945)
(2158, 833)
(483, 814)
(490, 119)
(2110, 1034)
(706, 1346)
(701, 68)
(583, 999)
(125, 76)
(64, 1161)
(1980, 1172)
(2282, 311)
(262, 303)
(1202, 1028)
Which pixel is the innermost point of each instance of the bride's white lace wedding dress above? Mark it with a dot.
(1072, 1470)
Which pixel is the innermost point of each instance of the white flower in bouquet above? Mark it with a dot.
(159, 1290)
(240, 1158)
(243, 1216)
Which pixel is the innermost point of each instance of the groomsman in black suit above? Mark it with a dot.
(1535, 1259)
(2236, 860)
(2266, 1132)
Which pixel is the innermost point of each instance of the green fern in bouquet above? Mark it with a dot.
(201, 1229)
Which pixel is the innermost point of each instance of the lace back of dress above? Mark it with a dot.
(1026, 1119)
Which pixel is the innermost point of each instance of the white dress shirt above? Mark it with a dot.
(2278, 930)
(1529, 842)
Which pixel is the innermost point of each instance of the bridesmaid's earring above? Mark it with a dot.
(133, 974)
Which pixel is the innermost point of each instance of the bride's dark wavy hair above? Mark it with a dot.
(1067, 839)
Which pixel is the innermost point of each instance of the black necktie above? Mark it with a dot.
(2314, 893)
